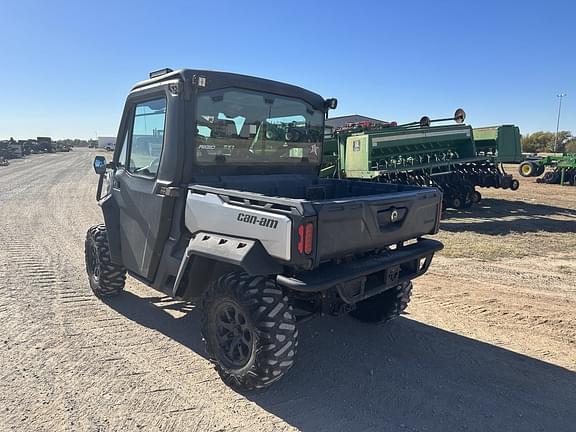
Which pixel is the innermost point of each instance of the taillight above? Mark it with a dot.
(301, 239)
(306, 239)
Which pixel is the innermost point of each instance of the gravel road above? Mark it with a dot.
(488, 344)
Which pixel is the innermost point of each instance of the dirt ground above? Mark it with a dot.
(488, 344)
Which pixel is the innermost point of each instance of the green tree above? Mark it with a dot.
(75, 142)
(542, 141)
(570, 146)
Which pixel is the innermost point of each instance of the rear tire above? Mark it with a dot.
(384, 307)
(249, 329)
(106, 279)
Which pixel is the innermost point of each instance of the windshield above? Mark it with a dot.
(244, 127)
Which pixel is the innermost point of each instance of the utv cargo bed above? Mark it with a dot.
(349, 216)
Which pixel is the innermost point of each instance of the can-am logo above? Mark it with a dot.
(255, 220)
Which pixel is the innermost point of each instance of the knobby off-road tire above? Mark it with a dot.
(385, 306)
(106, 279)
(249, 329)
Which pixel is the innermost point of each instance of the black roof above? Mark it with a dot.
(216, 79)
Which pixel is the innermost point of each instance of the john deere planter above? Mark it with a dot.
(418, 153)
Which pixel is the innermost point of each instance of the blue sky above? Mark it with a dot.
(66, 67)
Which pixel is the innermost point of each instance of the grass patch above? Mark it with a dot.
(512, 245)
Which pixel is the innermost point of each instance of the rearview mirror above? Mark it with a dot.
(100, 165)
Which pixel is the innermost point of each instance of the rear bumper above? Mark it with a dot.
(374, 274)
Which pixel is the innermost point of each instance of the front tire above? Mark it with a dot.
(249, 329)
(384, 307)
(106, 279)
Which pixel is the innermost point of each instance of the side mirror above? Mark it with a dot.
(100, 165)
(331, 103)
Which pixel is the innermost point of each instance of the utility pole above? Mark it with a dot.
(559, 96)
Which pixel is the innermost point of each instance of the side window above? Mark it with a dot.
(147, 137)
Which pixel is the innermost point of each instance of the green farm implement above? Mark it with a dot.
(563, 169)
(502, 143)
(417, 153)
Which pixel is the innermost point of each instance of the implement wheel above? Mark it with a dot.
(476, 197)
(457, 202)
(527, 169)
(249, 329)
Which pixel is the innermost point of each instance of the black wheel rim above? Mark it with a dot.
(94, 263)
(235, 337)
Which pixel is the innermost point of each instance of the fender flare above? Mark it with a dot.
(248, 254)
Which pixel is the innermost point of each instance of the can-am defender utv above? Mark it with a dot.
(213, 196)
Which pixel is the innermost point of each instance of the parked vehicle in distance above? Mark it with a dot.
(213, 196)
(45, 144)
(11, 149)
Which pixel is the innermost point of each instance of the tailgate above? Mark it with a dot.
(353, 225)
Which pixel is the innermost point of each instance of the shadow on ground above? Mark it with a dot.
(404, 376)
(497, 217)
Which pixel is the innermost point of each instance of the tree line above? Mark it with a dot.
(545, 142)
(78, 142)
